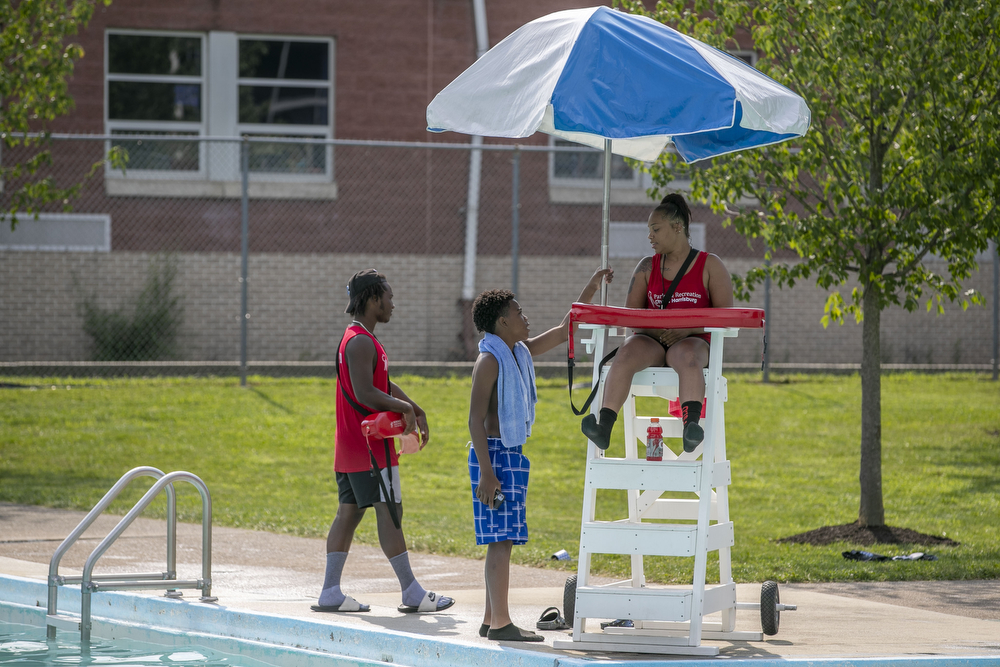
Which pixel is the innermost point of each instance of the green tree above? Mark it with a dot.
(36, 63)
(900, 163)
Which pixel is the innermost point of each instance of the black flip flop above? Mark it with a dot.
(551, 619)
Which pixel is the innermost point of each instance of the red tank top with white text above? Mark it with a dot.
(690, 293)
(351, 449)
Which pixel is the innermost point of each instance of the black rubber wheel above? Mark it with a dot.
(769, 614)
(569, 599)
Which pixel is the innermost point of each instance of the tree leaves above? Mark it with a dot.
(35, 63)
(900, 163)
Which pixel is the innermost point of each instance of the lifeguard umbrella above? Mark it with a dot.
(622, 83)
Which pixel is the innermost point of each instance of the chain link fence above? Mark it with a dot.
(210, 253)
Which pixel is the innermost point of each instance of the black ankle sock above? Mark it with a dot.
(691, 411)
(599, 432)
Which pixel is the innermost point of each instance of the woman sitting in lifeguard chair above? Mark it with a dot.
(704, 283)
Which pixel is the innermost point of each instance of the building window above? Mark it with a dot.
(150, 155)
(284, 82)
(285, 90)
(155, 85)
(749, 57)
(578, 177)
(588, 165)
(220, 84)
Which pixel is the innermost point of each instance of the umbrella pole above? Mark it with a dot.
(606, 217)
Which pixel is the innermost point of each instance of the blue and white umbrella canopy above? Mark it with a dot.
(593, 74)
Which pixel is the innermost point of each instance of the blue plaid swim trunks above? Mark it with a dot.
(509, 522)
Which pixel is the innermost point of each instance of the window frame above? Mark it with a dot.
(170, 127)
(281, 130)
(744, 54)
(598, 182)
(568, 190)
(210, 180)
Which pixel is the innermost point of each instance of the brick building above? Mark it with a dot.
(335, 71)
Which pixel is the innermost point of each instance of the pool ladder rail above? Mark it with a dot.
(91, 583)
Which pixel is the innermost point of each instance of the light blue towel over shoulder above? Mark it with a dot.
(516, 394)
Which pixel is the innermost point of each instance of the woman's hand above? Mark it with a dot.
(668, 337)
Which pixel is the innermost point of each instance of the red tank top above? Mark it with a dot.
(351, 449)
(690, 292)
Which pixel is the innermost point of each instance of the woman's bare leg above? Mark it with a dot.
(636, 353)
(689, 358)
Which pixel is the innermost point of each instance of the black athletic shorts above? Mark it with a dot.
(361, 489)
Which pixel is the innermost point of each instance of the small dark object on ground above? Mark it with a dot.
(863, 555)
(551, 620)
(866, 536)
(868, 555)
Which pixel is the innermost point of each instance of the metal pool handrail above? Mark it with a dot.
(91, 583)
(55, 580)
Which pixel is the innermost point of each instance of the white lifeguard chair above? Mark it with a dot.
(665, 619)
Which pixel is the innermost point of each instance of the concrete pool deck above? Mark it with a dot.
(270, 574)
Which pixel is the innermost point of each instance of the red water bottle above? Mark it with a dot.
(654, 440)
(383, 425)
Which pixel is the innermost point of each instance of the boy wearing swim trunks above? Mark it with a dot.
(501, 412)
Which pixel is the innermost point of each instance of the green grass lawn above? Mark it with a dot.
(266, 454)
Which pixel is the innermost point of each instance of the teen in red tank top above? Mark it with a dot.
(690, 292)
(351, 451)
(706, 284)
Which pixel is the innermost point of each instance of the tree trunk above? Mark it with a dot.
(871, 512)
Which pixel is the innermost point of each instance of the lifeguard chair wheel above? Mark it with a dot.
(569, 599)
(769, 614)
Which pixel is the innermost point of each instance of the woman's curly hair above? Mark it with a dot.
(490, 306)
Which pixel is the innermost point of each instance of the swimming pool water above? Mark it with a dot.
(28, 646)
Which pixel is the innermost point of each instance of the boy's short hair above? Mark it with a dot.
(490, 306)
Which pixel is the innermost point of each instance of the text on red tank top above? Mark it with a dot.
(690, 292)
